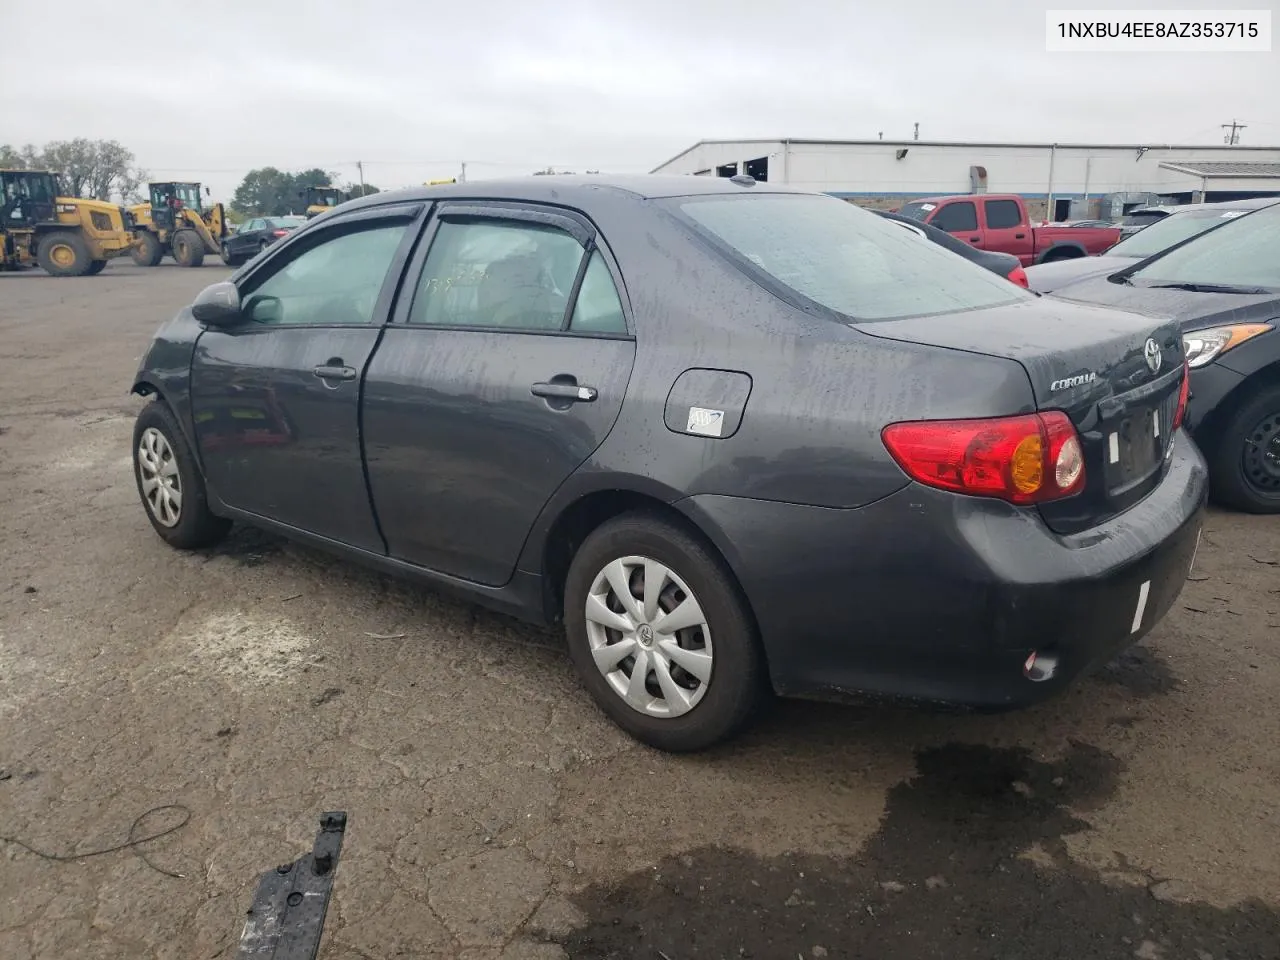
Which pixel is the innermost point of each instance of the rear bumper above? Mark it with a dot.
(931, 596)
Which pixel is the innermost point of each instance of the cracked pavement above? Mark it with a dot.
(494, 812)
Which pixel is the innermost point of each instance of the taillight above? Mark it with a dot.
(1030, 458)
(1019, 276)
(279, 233)
(1184, 394)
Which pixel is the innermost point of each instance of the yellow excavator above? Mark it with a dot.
(322, 199)
(176, 223)
(66, 236)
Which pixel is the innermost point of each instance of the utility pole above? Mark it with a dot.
(916, 135)
(462, 177)
(1233, 137)
(360, 167)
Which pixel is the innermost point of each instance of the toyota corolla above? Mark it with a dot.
(737, 438)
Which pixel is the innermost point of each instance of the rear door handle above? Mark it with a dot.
(329, 371)
(974, 239)
(564, 391)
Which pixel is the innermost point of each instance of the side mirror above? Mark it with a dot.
(218, 305)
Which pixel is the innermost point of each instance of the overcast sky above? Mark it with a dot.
(206, 91)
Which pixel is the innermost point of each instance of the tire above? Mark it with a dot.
(1242, 471)
(231, 260)
(188, 248)
(724, 701)
(95, 268)
(146, 250)
(63, 254)
(158, 440)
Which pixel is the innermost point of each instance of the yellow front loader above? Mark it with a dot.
(322, 199)
(66, 236)
(176, 223)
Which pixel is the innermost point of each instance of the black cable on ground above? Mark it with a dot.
(133, 843)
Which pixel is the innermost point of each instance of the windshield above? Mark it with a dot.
(37, 187)
(843, 258)
(1244, 253)
(188, 193)
(1172, 229)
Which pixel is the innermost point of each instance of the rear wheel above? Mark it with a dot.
(146, 250)
(95, 267)
(660, 634)
(169, 482)
(188, 248)
(63, 255)
(1245, 468)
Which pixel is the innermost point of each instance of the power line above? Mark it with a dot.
(1234, 137)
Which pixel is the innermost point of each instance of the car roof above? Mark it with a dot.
(575, 189)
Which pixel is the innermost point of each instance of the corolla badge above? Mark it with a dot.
(1152, 354)
(1077, 381)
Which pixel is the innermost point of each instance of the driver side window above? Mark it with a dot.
(335, 282)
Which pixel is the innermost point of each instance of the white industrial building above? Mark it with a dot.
(1061, 181)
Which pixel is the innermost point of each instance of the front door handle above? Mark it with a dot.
(1019, 236)
(974, 239)
(334, 371)
(564, 391)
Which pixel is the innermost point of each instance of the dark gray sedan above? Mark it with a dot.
(736, 437)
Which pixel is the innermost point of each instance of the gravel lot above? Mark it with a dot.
(494, 812)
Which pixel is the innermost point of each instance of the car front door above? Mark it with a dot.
(960, 218)
(276, 398)
(498, 378)
(1005, 230)
(245, 239)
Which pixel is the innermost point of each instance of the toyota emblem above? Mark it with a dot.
(1152, 352)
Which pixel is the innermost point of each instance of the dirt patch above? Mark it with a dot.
(969, 861)
(244, 648)
(1139, 671)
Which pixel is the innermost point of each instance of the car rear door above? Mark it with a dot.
(498, 377)
(1005, 229)
(960, 218)
(276, 399)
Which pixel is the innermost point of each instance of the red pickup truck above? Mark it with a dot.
(998, 221)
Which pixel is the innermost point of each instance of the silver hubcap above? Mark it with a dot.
(649, 637)
(161, 483)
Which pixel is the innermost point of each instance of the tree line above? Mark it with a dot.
(268, 192)
(99, 169)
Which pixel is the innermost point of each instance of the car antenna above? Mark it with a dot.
(743, 179)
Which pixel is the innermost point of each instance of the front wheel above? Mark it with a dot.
(169, 482)
(146, 250)
(231, 259)
(188, 248)
(660, 634)
(1245, 467)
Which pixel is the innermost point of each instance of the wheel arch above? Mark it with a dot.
(1267, 375)
(1056, 252)
(561, 531)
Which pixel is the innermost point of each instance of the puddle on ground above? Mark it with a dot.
(969, 861)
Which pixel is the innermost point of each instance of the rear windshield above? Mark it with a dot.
(1141, 219)
(919, 210)
(286, 223)
(1242, 253)
(842, 258)
(1172, 229)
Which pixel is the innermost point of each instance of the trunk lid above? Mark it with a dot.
(1115, 374)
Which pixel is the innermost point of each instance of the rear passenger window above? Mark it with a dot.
(956, 217)
(599, 309)
(1002, 214)
(497, 274)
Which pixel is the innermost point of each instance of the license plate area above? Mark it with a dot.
(1134, 446)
